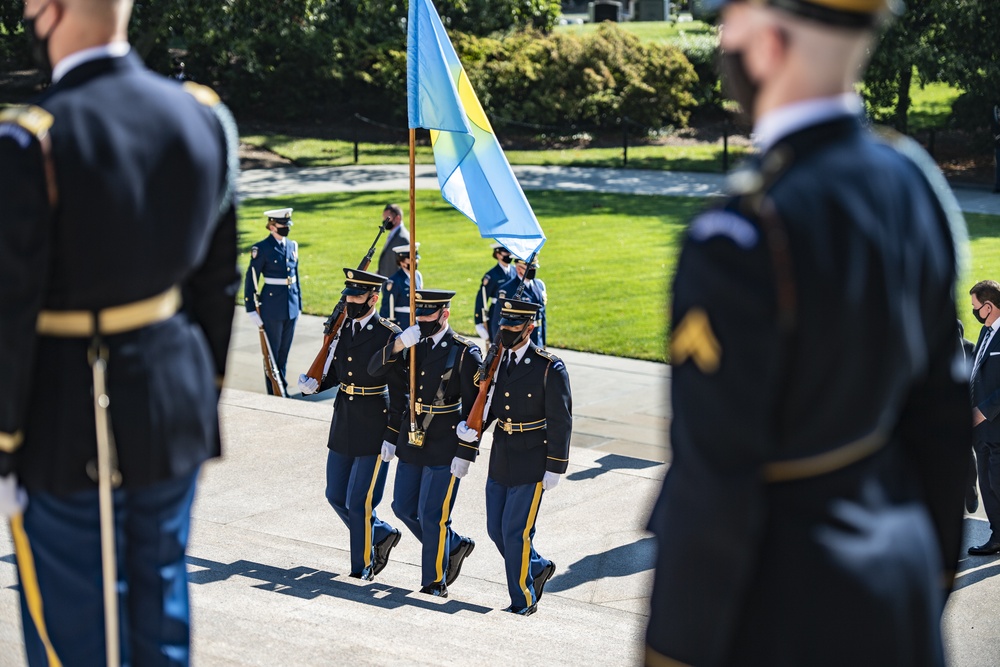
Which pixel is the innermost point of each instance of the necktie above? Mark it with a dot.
(511, 361)
(982, 349)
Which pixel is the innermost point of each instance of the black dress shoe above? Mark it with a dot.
(991, 547)
(438, 589)
(461, 552)
(382, 550)
(365, 574)
(543, 576)
(522, 611)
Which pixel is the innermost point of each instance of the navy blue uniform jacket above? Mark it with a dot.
(812, 513)
(269, 259)
(488, 289)
(534, 293)
(361, 423)
(537, 388)
(441, 444)
(141, 168)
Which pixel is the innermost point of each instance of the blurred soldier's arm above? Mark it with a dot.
(24, 265)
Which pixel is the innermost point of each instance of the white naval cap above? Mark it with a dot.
(282, 215)
(405, 249)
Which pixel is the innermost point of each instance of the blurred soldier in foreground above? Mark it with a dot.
(489, 287)
(366, 413)
(533, 407)
(431, 467)
(276, 260)
(119, 277)
(812, 514)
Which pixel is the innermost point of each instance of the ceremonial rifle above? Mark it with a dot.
(333, 324)
(270, 365)
(489, 368)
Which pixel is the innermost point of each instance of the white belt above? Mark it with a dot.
(290, 280)
(402, 309)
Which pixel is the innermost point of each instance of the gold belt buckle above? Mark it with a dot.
(349, 389)
(420, 408)
(508, 427)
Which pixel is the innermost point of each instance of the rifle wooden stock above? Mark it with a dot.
(270, 366)
(475, 420)
(336, 322)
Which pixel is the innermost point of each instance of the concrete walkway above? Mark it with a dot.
(286, 180)
(268, 558)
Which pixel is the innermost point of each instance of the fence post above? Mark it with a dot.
(355, 124)
(725, 147)
(625, 142)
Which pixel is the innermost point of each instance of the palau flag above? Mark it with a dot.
(472, 170)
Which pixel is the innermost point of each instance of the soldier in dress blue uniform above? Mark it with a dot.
(432, 464)
(276, 260)
(812, 514)
(534, 292)
(533, 407)
(396, 291)
(489, 288)
(366, 413)
(119, 249)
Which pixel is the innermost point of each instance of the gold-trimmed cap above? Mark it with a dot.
(513, 312)
(429, 301)
(361, 282)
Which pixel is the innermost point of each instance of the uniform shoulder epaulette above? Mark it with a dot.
(389, 325)
(546, 355)
(463, 340)
(35, 120)
(203, 94)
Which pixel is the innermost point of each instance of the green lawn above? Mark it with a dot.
(648, 31)
(607, 262)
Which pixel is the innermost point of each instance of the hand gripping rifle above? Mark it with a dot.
(489, 368)
(270, 365)
(333, 324)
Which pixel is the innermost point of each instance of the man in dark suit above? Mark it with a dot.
(532, 404)
(275, 261)
(397, 236)
(985, 296)
(432, 460)
(119, 274)
(812, 513)
(489, 288)
(534, 292)
(366, 413)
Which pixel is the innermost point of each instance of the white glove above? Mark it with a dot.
(464, 433)
(388, 451)
(13, 499)
(308, 385)
(255, 318)
(459, 467)
(483, 332)
(550, 480)
(410, 336)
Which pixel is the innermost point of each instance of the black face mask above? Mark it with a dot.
(506, 259)
(40, 45)
(509, 338)
(356, 311)
(282, 231)
(428, 329)
(736, 83)
(975, 313)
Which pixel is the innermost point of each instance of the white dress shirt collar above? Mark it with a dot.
(74, 60)
(790, 118)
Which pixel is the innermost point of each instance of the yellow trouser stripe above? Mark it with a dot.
(526, 544)
(443, 530)
(368, 512)
(29, 581)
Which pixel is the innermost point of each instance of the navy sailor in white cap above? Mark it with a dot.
(274, 265)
